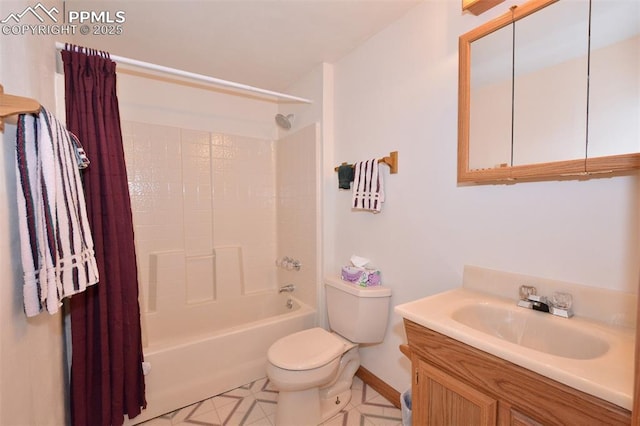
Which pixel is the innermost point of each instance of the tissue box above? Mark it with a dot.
(362, 276)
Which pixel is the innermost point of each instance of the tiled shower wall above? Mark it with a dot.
(297, 209)
(197, 197)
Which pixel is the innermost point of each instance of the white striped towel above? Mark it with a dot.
(55, 240)
(368, 189)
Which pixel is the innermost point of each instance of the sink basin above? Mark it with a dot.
(591, 356)
(533, 330)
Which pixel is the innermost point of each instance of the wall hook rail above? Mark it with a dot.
(11, 105)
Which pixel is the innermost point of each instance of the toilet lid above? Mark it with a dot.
(305, 349)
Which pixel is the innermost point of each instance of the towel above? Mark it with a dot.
(368, 191)
(345, 176)
(80, 155)
(56, 245)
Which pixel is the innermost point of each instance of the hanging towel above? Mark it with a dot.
(368, 191)
(56, 243)
(345, 176)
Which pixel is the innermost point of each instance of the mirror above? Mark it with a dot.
(614, 95)
(490, 106)
(539, 98)
(551, 65)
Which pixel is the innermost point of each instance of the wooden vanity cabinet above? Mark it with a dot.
(456, 384)
(441, 399)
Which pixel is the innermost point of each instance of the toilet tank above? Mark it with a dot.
(357, 313)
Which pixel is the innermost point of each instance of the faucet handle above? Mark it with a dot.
(561, 304)
(561, 300)
(526, 291)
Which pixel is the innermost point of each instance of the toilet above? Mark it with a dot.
(313, 369)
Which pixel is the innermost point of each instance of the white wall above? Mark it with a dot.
(32, 390)
(398, 91)
(311, 86)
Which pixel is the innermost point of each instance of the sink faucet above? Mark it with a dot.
(560, 305)
(287, 288)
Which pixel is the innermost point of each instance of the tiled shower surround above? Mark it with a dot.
(212, 212)
(197, 196)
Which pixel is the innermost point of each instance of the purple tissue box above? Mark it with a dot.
(361, 276)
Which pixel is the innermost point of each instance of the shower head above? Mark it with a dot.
(284, 121)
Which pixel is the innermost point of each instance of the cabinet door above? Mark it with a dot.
(441, 400)
(519, 419)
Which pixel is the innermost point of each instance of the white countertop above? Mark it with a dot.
(609, 376)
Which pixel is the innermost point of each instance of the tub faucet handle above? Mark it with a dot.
(289, 263)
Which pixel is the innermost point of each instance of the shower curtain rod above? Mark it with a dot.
(199, 77)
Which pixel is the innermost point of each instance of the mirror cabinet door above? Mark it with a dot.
(550, 88)
(614, 93)
(490, 101)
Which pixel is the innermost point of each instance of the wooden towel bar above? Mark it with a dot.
(391, 160)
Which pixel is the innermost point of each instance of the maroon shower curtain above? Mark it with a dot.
(106, 372)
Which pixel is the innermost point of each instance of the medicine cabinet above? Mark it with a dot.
(550, 89)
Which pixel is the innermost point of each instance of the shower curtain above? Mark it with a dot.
(106, 372)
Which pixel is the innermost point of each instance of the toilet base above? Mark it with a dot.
(331, 407)
(299, 408)
(313, 406)
(306, 408)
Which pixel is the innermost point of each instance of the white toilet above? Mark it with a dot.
(313, 369)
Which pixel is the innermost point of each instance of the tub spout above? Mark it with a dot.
(287, 288)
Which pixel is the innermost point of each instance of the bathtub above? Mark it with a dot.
(224, 348)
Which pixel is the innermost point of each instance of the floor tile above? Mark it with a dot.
(158, 421)
(255, 403)
(193, 411)
(209, 418)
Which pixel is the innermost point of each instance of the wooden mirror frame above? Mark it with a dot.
(579, 168)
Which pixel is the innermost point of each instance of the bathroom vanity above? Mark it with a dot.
(454, 383)
(478, 358)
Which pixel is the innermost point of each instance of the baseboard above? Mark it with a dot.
(378, 385)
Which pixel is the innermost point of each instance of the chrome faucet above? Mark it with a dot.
(560, 304)
(287, 288)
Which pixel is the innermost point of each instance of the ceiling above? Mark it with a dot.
(263, 43)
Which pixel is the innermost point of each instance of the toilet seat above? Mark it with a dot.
(306, 350)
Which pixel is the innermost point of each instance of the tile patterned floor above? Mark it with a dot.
(255, 404)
